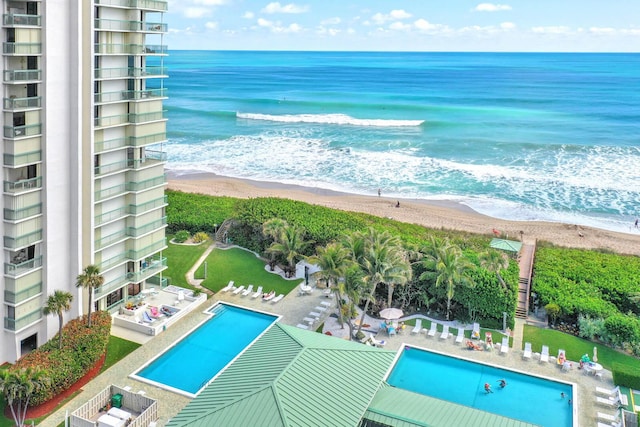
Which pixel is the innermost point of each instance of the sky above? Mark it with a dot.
(405, 25)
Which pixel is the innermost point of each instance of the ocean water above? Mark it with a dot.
(521, 136)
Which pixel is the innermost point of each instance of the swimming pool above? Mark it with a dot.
(196, 358)
(527, 398)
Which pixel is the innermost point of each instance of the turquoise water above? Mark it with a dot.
(524, 136)
(198, 357)
(526, 398)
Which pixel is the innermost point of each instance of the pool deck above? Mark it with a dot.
(293, 308)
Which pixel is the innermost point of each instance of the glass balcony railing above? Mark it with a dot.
(156, 5)
(111, 215)
(147, 228)
(19, 269)
(18, 297)
(113, 261)
(118, 73)
(110, 239)
(151, 268)
(146, 252)
(22, 20)
(22, 213)
(17, 324)
(22, 185)
(121, 25)
(22, 48)
(131, 141)
(151, 159)
(22, 103)
(22, 241)
(157, 280)
(22, 131)
(110, 192)
(111, 286)
(129, 95)
(22, 75)
(146, 184)
(127, 49)
(148, 206)
(15, 160)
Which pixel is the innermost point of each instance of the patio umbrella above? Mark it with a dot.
(595, 354)
(391, 313)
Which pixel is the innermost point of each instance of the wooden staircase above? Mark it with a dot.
(525, 261)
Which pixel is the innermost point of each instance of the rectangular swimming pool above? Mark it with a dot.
(192, 361)
(526, 398)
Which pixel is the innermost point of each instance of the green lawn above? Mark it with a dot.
(117, 349)
(180, 258)
(575, 347)
(244, 268)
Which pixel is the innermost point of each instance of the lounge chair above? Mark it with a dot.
(433, 329)
(228, 287)
(460, 336)
(277, 299)
(302, 326)
(180, 297)
(544, 354)
(562, 357)
(475, 332)
(613, 424)
(155, 313)
(310, 320)
(315, 314)
(326, 303)
(146, 318)
(526, 354)
(445, 332)
(320, 308)
(257, 293)
(609, 401)
(269, 296)
(375, 342)
(416, 329)
(238, 290)
(305, 290)
(247, 291)
(391, 330)
(608, 391)
(608, 417)
(504, 348)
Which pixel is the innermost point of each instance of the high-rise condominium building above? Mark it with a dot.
(83, 166)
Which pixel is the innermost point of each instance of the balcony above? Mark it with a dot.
(147, 228)
(22, 213)
(23, 322)
(125, 72)
(147, 183)
(18, 297)
(17, 242)
(154, 5)
(153, 116)
(112, 262)
(152, 159)
(146, 252)
(22, 131)
(23, 185)
(12, 19)
(13, 104)
(131, 141)
(149, 269)
(17, 160)
(15, 270)
(148, 206)
(111, 216)
(12, 48)
(127, 49)
(129, 95)
(116, 237)
(111, 286)
(18, 76)
(128, 26)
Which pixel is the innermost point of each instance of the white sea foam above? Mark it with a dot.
(334, 119)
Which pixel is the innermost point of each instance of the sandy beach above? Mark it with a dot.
(429, 213)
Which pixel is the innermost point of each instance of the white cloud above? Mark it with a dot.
(508, 26)
(602, 30)
(331, 21)
(394, 15)
(558, 29)
(264, 23)
(276, 27)
(400, 26)
(211, 25)
(276, 7)
(425, 26)
(248, 15)
(491, 7)
(327, 31)
(196, 12)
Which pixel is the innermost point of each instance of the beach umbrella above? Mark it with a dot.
(595, 354)
(391, 313)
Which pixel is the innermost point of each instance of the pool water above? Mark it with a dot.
(194, 360)
(526, 398)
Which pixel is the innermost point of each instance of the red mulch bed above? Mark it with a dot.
(48, 406)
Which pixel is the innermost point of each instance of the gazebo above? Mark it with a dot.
(506, 245)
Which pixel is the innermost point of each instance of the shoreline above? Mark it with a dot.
(436, 214)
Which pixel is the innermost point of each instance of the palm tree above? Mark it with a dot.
(290, 244)
(495, 262)
(449, 267)
(333, 260)
(352, 287)
(18, 386)
(89, 279)
(272, 229)
(58, 303)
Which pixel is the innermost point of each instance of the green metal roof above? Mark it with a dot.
(291, 377)
(402, 408)
(506, 245)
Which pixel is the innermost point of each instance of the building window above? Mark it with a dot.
(28, 344)
(114, 297)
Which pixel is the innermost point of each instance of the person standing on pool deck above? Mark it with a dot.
(487, 388)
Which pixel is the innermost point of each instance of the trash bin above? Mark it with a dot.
(116, 401)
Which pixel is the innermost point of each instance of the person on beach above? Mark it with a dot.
(380, 193)
(487, 388)
(636, 224)
(398, 204)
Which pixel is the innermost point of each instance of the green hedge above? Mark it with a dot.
(626, 376)
(197, 212)
(82, 348)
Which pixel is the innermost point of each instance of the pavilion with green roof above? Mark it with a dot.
(293, 377)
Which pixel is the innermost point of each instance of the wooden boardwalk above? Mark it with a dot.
(525, 261)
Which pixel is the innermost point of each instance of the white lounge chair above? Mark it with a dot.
(301, 326)
(257, 293)
(460, 336)
(268, 297)
(315, 314)
(375, 342)
(608, 401)
(562, 357)
(146, 318)
(526, 354)
(613, 424)
(544, 354)
(277, 299)
(504, 348)
(416, 329)
(228, 287)
(326, 303)
(475, 332)
(608, 391)
(607, 417)
(180, 297)
(445, 332)
(247, 291)
(238, 290)
(433, 329)
(310, 320)
(320, 308)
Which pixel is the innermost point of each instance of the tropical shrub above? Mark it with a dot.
(197, 212)
(200, 237)
(82, 348)
(181, 236)
(553, 310)
(621, 329)
(590, 328)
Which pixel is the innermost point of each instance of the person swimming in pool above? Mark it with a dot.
(503, 383)
(487, 388)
